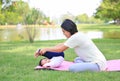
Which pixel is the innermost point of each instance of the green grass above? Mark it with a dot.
(17, 62)
(98, 27)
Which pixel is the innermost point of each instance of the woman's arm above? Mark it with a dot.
(58, 48)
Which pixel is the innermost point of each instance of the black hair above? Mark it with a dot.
(69, 26)
(40, 64)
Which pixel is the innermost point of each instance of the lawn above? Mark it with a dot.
(99, 27)
(17, 62)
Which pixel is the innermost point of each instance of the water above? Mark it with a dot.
(46, 33)
(56, 33)
(95, 34)
(51, 34)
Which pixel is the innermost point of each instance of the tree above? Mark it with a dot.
(82, 18)
(17, 11)
(13, 11)
(33, 17)
(109, 10)
(2, 17)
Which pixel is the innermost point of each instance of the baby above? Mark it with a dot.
(51, 63)
(52, 60)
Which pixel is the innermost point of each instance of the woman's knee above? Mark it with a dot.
(78, 60)
(72, 68)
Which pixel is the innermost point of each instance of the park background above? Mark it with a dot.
(24, 29)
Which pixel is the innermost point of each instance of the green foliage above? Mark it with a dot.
(14, 13)
(34, 16)
(85, 19)
(12, 18)
(20, 12)
(82, 18)
(2, 19)
(109, 10)
(112, 34)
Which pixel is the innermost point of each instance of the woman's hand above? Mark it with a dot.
(37, 53)
(43, 51)
(40, 52)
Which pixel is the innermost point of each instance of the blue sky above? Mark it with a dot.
(56, 8)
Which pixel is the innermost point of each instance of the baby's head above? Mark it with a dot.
(44, 61)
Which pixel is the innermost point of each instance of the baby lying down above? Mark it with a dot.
(51, 63)
(52, 60)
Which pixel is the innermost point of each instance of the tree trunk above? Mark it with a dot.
(31, 35)
(117, 21)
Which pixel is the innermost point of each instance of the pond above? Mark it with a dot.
(56, 33)
(42, 33)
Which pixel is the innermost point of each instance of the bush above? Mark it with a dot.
(112, 34)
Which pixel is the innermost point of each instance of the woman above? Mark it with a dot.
(89, 56)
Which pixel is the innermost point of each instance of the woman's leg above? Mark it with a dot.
(78, 60)
(80, 67)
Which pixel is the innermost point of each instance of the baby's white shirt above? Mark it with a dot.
(54, 62)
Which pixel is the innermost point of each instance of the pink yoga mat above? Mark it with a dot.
(112, 65)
